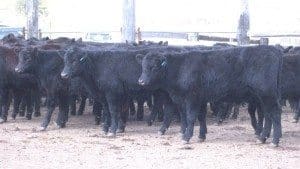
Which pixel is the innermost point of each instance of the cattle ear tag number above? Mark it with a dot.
(164, 63)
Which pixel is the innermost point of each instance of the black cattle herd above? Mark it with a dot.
(174, 81)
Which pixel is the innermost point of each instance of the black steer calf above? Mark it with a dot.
(235, 75)
(15, 85)
(47, 65)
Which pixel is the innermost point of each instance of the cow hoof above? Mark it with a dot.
(120, 130)
(161, 133)
(274, 145)
(103, 132)
(261, 140)
(37, 114)
(201, 140)
(13, 117)
(111, 135)
(28, 117)
(63, 125)
(41, 128)
(150, 123)
(184, 142)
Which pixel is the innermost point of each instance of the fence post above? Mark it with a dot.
(40, 34)
(24, 32)
(128, 28)
(244, 25)
(32, 18)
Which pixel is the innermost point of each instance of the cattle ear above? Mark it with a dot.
(139, 58)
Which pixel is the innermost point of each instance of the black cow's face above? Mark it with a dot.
(27, 60)
(73, 60)
(153, 68)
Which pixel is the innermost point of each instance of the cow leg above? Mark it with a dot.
(17, 101)
(82, 105)
(131, 107)
(106, 116)
(140, 109)
(183, 119)
(123, 118)
(37, 103)
(276, 122)
(168, 110)
(114, 105)
(272, 115)
(154, 110)
(192, 109)
(149, 102)
(73, 104)
(29, 111)
(236, 111)
(62, 116)
(251, 111)
(4, 106)
(202, 122)
(160, 113)
(97, 107)
(297, 113)
(260, 120)
(22, 106)
(50, 107)
(221, 112)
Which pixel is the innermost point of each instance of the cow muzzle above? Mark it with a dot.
(141, 82)
(64, 75)
(18, 70)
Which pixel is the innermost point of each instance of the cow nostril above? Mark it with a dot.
(141, 82)
(64, 75)
(17, 70)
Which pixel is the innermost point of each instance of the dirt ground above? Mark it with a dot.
(81, 145)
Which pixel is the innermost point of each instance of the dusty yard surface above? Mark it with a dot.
(81, 145)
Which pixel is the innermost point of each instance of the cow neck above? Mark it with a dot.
(45, 64)
(88, 77)
(173, 66)
(89, 65)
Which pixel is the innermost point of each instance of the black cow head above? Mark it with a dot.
(74, 60)
(153, 68)
(27, 60)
